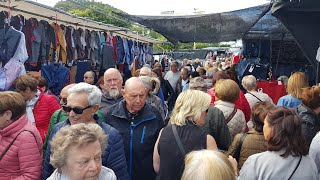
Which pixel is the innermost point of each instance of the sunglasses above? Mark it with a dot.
(76, 110)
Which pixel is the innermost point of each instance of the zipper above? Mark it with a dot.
(142, 135)
(132, 126)
(131, 147)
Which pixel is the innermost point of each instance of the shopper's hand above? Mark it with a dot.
(234, 164)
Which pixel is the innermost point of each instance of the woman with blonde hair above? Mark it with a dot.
(297, 81)
(182, 135)
(208, 165)
(77, 151)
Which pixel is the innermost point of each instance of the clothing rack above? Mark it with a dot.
(22, 6)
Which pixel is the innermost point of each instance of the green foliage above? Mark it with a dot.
(91, 14)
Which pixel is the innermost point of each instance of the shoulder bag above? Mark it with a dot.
(236, 154)
(8, 147)
(231, 115)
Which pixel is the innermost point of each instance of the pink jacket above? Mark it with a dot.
(24, 158)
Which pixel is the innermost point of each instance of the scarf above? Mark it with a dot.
(30, 106)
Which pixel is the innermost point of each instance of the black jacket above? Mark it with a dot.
(139, 135)
(216, 126)
(168, 93)
(310, 122)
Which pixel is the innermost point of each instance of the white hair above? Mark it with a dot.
(249, 82)
(94, 93)
(147, 69)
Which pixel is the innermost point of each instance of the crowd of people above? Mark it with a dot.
(193, 122)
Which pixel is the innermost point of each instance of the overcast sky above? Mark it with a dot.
(152, 7)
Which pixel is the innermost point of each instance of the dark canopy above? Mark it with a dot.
(254, 22)
(302, 19)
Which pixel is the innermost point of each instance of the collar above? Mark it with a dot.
(224, 103)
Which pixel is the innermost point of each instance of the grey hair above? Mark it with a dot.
(148, 69)
(94, 93)
(249, 82)
(211, 72)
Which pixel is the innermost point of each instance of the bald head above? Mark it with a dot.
(64, 94)
(88, 77)
(133, 83)
(113, 82)
(111, 71)
(134, 94)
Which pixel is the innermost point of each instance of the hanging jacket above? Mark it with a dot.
(139, 135)
(49, 39)
(113, 157)
(9, 41)
(42, 112)
(61, 45)
(57, 76)
(24, 158)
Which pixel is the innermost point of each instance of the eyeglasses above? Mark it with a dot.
(64, 100)
(76, 110)
(87, 77)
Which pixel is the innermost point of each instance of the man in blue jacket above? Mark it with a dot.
(139, 124)
(82, 103)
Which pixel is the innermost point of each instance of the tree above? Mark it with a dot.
(109, 18)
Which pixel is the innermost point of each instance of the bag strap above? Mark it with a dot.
(176, 136)
(255, 96)
(58, 116)
(8, 147)
(238, 150)
(296, 167)
(231, 115)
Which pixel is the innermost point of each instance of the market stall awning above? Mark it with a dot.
(301, 18)
(245, 23)
(39, 11)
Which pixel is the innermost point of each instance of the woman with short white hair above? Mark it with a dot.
(77, 151)
(182, 135)
(249, 83)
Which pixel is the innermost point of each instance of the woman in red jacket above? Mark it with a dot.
(241, 102)
(20, 141)
(40, 106)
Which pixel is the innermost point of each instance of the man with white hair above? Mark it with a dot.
(113, 85)
(249, 83)
(82, 103)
